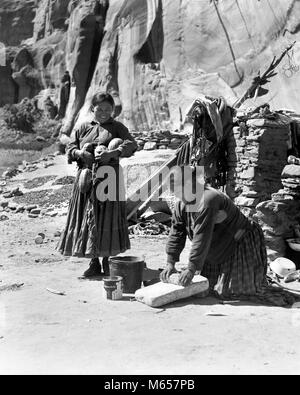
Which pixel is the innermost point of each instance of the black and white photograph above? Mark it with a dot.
(149, 190)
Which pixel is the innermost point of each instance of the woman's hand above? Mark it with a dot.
(165, 274)
(105, 157)
(186, 277)
(86, 157)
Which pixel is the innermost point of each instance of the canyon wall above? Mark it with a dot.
(154, 56)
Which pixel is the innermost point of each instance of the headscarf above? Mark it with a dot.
(211, 107)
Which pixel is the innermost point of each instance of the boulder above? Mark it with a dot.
(36, 211)
(33, 215)
(30, 207)
(291, 171)
(7, 195)
(149, 146)
(40, 139)
(12, 206)
(9, 173)
(20, 208)
(246, 201)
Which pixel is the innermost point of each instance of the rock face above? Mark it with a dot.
(16, 21)
(8, 85)
(155, 57)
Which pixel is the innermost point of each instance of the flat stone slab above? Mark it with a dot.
(160, 294)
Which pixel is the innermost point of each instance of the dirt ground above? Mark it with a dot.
(84, 333)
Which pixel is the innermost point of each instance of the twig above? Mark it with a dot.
(260, 80)
(53, 291)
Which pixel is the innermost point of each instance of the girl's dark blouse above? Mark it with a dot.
(93, 132)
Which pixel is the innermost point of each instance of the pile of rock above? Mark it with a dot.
(290, 179)
(261, 150)
(10, 206)
(10, 172)
(280, 216)
(45, 162)
(268, 190)
(159, 139)
(12, 193)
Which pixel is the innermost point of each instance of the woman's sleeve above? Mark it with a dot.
(74, 144)
(177, 237)
(129, 145)
(202, 236)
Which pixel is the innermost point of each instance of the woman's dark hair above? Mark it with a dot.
(102, 97)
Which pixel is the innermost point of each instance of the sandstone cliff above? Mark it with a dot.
(154, 56)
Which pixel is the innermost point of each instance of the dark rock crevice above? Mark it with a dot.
(25, 75)
(46, 58)
(113, 84)
(59, 14)
(152, 50)
(101, 9)
(88, 46)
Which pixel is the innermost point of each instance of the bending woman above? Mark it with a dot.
(97, 228)
(227, 248)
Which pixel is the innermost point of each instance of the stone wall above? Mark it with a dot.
(266, 191)
(280, 215)
(158, 139)
(262, 146)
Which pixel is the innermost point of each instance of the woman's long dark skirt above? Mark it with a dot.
(244, 274)
(94, 228)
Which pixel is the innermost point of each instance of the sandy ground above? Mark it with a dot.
(83, 333)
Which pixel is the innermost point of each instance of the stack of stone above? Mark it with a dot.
(290, 179)
(261, 150)
(280, 216)
(277, 220)
(158, 139)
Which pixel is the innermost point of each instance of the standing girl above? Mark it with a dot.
(97, 228)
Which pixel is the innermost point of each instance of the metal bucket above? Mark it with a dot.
(130, 268)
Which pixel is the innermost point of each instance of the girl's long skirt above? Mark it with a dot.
(244, 274)
(95, 228)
